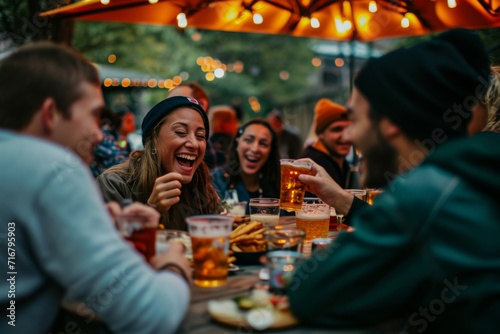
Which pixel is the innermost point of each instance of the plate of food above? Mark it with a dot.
(247, 243)
(260, 310)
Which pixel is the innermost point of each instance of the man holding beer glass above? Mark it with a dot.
(426, 251)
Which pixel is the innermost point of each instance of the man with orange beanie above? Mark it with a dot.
(330, 150)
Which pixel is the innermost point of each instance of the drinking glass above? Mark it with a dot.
(371, 194)
(314, 218)
(281, 266)
(165, 237)
(359, 193)
(210, 244)
(140, 231)
(284, 238)
(265, 210)
(292, 190)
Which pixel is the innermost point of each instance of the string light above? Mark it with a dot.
(105, 2)
(452, 3)
(315, 23)
(182, 20)
(153, 1)
(257, 18)
(405, 22)
(372, 6)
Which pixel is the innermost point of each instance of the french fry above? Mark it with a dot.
(246, 228)
(231, 259)
(248, 237)
(236, 248)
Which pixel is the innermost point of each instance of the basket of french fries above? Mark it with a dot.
(247, 243)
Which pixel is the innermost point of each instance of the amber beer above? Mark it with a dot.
(371, 194)
(210, 244)
(210, 260)
(316, 226)
(314, 218)
(292, 190)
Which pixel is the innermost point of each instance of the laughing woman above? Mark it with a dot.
(169, 173)
(253, 169)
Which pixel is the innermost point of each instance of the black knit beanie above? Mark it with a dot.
(165, 107)
(430, 86)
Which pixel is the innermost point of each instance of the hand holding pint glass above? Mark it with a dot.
(137, 223)
(210, 246)
(292, 190)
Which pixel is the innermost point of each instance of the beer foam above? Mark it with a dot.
(302, 164)
(312, 216)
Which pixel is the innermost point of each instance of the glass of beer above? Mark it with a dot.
(371, 194)
(210, 247)
(292, 190)
(265, 210)
(314, 218)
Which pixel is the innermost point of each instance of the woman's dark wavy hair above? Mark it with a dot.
(270, 171)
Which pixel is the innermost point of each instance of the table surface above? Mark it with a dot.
(198, 319)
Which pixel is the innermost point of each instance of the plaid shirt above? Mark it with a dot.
(111, 151)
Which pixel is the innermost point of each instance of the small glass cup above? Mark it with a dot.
(140, 231)
(165, 237)
(314, 218)
(210, 244)
(265, 210)
(359, 193)
(281, 266)
(284, 238)
(371, 194)
(238, 209)
(292, 190)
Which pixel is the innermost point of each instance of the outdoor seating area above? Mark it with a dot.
(246, 166)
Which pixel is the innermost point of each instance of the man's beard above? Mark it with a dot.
(380, 160)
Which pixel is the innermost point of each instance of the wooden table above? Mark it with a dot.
(198, 320)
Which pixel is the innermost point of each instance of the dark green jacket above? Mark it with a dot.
(428, 250)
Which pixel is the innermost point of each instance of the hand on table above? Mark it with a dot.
(166, 192)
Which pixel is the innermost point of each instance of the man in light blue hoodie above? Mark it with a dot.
(58, 239)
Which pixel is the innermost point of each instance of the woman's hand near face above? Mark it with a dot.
(166, 192)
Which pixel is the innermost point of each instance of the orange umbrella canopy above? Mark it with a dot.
(332, 19)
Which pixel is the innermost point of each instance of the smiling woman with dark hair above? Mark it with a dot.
(169, 173)
(253, 169)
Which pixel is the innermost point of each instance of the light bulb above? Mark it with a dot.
(182, 20)
(257, 18)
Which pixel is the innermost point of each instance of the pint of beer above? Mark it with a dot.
(314, 218)
(292, 190)
(210, 244)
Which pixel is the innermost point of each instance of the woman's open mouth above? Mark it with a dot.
(185, 160)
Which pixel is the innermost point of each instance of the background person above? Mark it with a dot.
(253, 169)
(330, 149)
(169, 173)
(223, 127)
(114, 148)
(426, 250)
(290, 143)
(491, 101)
(65, 241)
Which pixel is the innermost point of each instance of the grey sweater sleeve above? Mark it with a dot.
(80, 249)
